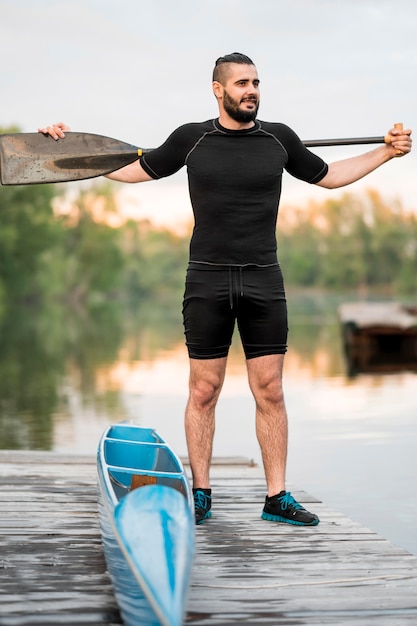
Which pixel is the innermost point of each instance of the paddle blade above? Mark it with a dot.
(28, 158)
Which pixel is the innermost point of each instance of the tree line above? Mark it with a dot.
(75, 256)
(355, 242)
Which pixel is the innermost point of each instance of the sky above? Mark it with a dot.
(135, 70)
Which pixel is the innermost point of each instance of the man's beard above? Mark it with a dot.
(232, 108)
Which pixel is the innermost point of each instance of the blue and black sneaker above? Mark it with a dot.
(284, 508)
(202, 504)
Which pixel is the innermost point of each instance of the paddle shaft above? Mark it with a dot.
(351, 141)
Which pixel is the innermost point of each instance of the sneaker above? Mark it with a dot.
(284, 508)
(202, 504)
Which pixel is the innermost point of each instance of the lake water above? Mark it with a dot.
(353, 441)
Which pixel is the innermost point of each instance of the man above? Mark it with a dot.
(235, 165)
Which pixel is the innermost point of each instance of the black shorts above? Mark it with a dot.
(216, 297)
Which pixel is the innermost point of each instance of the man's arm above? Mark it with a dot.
(348, 171)
(132, 173)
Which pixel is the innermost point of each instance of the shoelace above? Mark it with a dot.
(288, 501)
(201, 500)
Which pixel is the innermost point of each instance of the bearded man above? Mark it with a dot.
(235, 165)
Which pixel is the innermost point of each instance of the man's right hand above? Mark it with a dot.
(56, 131)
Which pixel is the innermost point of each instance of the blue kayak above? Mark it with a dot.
(146, 514)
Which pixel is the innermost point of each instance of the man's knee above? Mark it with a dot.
(204, 393)
(206, 381)
(265, 378)
(270, 391)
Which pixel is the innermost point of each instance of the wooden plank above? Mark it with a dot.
(52, 569)
(246, 570)
(288, 575)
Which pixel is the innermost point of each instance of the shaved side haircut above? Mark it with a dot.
(220, 71)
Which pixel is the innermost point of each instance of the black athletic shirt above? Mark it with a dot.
(235, 185)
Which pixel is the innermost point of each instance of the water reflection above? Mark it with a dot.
(32, 365)
(58, 360)
(60, 368)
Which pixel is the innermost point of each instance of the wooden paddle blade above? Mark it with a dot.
(28, 158)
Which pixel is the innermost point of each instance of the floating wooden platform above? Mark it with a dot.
(379, 336)
(246, 571)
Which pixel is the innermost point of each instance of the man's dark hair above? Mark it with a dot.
(219, 71)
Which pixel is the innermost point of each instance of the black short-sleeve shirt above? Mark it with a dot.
(235, 185)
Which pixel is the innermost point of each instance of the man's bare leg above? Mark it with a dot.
(265, 380)
(205, 384)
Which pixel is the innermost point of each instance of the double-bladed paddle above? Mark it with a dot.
(29, 158)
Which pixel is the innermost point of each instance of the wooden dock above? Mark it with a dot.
(246, 571)
(379, 337)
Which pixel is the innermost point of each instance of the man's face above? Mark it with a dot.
(241, 95)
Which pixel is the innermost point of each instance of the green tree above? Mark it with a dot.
(91, 262)
(345, 243)
(155, 260)
(406, 278)
(299, 246)
(352, 242)
(27, 231)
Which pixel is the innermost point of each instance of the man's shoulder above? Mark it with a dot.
(196, 127)
(188, 134)
(282, 133)
(275, 127)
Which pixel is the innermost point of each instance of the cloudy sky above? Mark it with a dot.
(136, 70)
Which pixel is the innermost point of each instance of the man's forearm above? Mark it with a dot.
(348, 171)
(132, 173)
